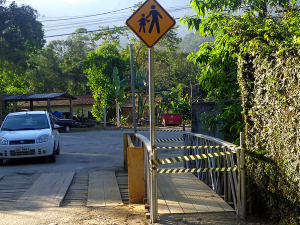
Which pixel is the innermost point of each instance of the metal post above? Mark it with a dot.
(243, 175)
(104, 116)
(132, 88)
(153, 205)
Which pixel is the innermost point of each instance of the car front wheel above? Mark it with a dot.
(58, 149)
(52, 158)
(67, 128)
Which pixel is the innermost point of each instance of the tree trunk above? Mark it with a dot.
(118, 115)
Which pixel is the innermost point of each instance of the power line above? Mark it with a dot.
(91, 31)
(97, 21)
(80, 17)
(87, 23)
(100, 14)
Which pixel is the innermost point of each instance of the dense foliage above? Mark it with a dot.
(265, 49)
(59, 66)
(269, 78)
(21, 36)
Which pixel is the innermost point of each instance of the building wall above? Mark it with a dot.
(197, 109)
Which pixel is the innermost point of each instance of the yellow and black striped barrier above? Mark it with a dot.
(164, 130)
(194, 147)
(169, 140)
(195, 170)
(189, 157)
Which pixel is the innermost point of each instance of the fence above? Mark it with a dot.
(222, 154)
(221, 165)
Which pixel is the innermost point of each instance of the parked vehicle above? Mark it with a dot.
(29, 134)
(65, 124)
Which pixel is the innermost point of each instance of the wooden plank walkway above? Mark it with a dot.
(103, 189)
(49, 190)
(184, 193)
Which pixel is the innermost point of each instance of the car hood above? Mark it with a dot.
(23, 134)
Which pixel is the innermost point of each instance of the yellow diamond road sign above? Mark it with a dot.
(150, 22)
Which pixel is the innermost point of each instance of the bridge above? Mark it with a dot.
(208, 175)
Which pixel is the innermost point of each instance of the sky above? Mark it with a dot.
(55, 14)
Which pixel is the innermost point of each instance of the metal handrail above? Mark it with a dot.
(233, 182)
(230, 184)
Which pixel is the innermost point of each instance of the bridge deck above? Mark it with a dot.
(184, 193)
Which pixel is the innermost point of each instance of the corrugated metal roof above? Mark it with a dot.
(81, 100)
(38, 97)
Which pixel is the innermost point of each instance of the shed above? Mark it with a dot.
(31, 98)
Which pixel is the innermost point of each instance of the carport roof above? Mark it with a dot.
(38, 97)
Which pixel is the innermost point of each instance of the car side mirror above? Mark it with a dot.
(55, 126)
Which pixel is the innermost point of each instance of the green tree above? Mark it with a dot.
(77, 46)
(21, 36)
(99, 68)
(46, 74)
(191, 42)
(118, 86)
(59, 66)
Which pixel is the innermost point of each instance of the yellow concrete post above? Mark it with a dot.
(136, 183)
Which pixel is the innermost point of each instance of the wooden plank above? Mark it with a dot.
(189, 186)
(46, 192)
(205, 192)
(54, 190)
(175, 183)
(169, 195)
(207, 195)
(63, 189)
(96, 190)
(28, 193)
(162, 204)
(111, 189)
(103, 189)
(223, 204)
(39, 194)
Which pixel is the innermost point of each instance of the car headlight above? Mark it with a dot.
(43, 138)
(3, 141)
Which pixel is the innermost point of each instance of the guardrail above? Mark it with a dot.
(220, 164)
(222, 154)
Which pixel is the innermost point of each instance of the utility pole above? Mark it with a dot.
(132, 88)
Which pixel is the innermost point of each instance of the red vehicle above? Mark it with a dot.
(171, 119)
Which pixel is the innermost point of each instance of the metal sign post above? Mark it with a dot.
(153, 200)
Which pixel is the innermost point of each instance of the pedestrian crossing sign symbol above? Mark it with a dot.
(150, 22)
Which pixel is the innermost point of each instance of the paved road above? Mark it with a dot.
(88, 151)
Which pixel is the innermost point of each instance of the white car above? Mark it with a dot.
(29, 134)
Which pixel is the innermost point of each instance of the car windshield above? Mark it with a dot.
(25, 122)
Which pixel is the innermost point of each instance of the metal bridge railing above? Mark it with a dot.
(230, 185)
(220, 164)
